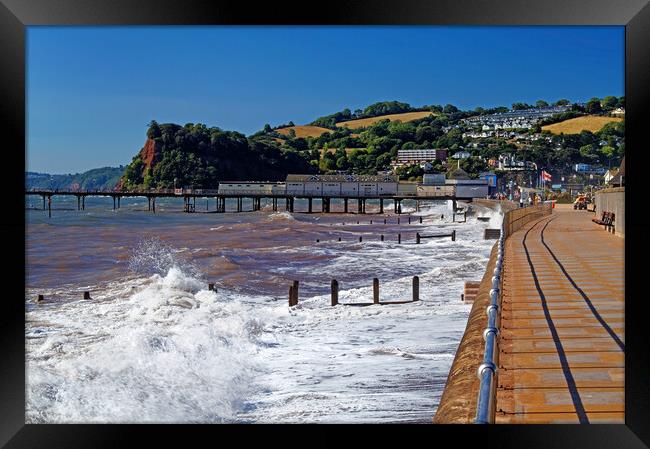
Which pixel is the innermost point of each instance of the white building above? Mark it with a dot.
(341, 185)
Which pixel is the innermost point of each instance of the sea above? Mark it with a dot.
(155, 345)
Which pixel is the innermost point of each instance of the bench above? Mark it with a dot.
(606, 220)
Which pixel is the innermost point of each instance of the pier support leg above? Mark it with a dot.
(49, 206)
(118, 201)
(113, 203)
(83, 202)
(287, 205)
(381, 205)
(359, 206)
(275, 204)
(395, 206)
(363, 206)
(153, 204)
(399, 207)
(291, 205)
(345, 205)
(309, 202)
(78, 202)
(149, 203)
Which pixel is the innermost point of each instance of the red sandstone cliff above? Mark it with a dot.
(149, 154)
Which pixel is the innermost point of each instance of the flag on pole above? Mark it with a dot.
(546, 176)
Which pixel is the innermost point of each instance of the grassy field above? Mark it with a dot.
(591, 123)
(404, 117)
(304, 130)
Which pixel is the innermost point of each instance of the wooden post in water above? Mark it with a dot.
(290, 296)
(399, 238)
(382, 237)
(375, 290)
(384, 221)
(420, 219)
(86, 295)
(416, 288)
(417, 238)
(211, 286)
(360, 239)
(335, 292)
(295, 293)
(397, 220)
(453, 235)
(339, 239)
(409, 219)
(40, 298)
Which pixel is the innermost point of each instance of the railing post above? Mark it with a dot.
(416, 288)
(375, 290)
(335, 292)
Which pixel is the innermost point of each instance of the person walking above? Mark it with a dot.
(530, 200)
(521, 201)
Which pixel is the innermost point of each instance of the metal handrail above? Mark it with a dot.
(487, 371)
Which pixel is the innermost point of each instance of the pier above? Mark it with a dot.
(190, 197)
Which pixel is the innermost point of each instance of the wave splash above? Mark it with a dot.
(170, 352)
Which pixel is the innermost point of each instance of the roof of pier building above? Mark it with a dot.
(342, 178)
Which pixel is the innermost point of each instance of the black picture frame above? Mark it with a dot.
(15, 15)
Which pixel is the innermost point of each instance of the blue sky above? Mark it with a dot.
(91, 91)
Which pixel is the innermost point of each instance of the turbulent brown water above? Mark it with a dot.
(155, 346)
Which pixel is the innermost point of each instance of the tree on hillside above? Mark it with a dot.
(154, 130)
(562, 102)
(520, 106)
(449, 109)
(593, 106)
(609, 103)
(541, 104)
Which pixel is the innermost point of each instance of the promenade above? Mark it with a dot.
(562, 338)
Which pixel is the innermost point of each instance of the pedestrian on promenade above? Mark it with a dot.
(521, 201)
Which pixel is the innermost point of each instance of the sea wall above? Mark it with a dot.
(458, 401)
(612, 200)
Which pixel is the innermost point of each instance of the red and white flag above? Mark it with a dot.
(546, 176)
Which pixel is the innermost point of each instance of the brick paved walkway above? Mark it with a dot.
(562, 323)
